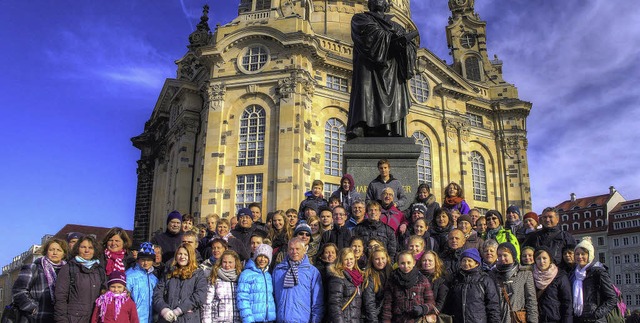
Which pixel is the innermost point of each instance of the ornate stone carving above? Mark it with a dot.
(202, 35)
(215, 95)
(189, 68)
(457, 126)
(144, 170)
(287, 86)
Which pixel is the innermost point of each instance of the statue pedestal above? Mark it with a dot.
(361, 156)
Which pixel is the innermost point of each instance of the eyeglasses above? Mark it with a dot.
(304, 234)
(492, 218)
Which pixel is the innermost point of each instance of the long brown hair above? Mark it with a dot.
(373, 273)
(214, 272)
(184, 272)
(439, 270)
(286, 229)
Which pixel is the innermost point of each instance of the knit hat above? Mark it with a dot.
(512, 250)
(74, 235)
(531, 215)
(514, 209)
(146, 251)
(419, 207)
(117, 277)
(302, 226)
(263, 250)
(587, 245)
(465, 217)
(545, 249)
(496, 213)
(473, 254)
(174, 215)
(244, 211)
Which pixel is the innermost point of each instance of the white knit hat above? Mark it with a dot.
(263, 250)
(586, 245)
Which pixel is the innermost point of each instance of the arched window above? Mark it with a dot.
(565, 227)
(576, 216)
(576, 226)
(251, 143)
(263, 4)
(419, 88)
(599, 223)
(479, 174)
(587, 224)
(565, 217)
(334, 138)
(472, 67)
(424, 162)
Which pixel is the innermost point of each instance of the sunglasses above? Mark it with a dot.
(304, 234)
(492, 218)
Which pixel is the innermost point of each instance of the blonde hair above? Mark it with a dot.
(374, 273)
(288, 231)
(439, 270)
(338, 267)
(184, 272)
(214, 272)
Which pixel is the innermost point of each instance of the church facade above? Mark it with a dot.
(259, 106)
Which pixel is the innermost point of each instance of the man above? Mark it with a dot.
(514, 221)
(326, 219)
(243, 232)
(551, 236)
(256, 213)
(384, 59)
(384, 180)
(141, 281)
(298, 287)
(171, 238)
(340, 234)
(373, 228)
(292, 217)
(188, 238)
(357, 214)
(453, 250)
(391, 216)
(347, 194)
(474, 214)
(313, 198)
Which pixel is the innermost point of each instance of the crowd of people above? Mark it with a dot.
(375, 258)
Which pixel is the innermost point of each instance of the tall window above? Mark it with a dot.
(479, 173)
(255, 58)
(248, 190)
(334, 138)
(475, 120)
(337, 83)
(263, 4)
(419, 88)
(424, 162)
(245, 6)
(329, 188)
(251, 143)
(472, 67)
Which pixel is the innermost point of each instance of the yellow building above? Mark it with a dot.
(258, 111)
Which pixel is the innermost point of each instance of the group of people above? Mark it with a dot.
(380, 258)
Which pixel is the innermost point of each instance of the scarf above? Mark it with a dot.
(228, 275)
(418, 256)
(451, 201)
(115, 260)
(488, 267)
(492, 233)
(506, 271)
(578, 301)
(50, 270)
(513, 224)
(541, 278)
(291, 277)
(87, 263)
(356, 276)
(407, 280)
(110, 298)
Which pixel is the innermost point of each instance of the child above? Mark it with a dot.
(255, 288)
(313, 198)
(357, 245)
(454, 198)
(141, 281)
(416, 247)
(348, 297)
(220, 305)
(115, 305)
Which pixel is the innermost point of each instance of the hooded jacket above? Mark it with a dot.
(220, 305)
(347, 198)
(303, 302)
(255, 295)
(315, 202)
(141, 284)
(374, 191)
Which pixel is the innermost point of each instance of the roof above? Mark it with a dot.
(583, 203)
(619, 206)
(100, 232)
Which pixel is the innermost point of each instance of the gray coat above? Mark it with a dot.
(522, 294)
(77, 289)
(374, 191)
(187, 294)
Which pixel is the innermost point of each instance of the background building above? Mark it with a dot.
(258, 110)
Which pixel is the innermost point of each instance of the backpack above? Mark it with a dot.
(616, 315)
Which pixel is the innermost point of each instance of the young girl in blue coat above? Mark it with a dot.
(255, 288)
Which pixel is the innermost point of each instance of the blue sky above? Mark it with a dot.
(80, 78)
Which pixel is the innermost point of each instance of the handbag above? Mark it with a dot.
(11, 314)
(516, 316)
(436, 318)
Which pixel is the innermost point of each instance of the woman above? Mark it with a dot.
(218, 246)
(489, 255)
(472, 293)
(408, 296)
(471, 236)
(79, 282)
(593, 293)
(357, 245)
(552, 288)
(255, 288)
(328, 254)
(34, 290)
(527, 256)
(378, 271)
(347, 296)
(180, 294)
(220, 304)
(454, 198)
(316, 228)
(432, 267)
(568, 262)
(347, 193)
(424, 196)
(440, 227)
(420, 228)
(279, 234)
(416, 247)
(498, 232)
(481, 227)
(515, 285)
(115, 245)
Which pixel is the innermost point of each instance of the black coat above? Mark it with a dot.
(440, 290)
(554, 239)
(341, 236)
(375, 229)
(555, 302)
(340, 290)
(472, 298)
(599, 297)
(77, 290)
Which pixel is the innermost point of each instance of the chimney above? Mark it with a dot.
(573, 197)
(612, 190)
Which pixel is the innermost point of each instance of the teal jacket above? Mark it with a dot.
(141, 284)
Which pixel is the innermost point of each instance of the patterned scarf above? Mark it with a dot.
(228, 275)
(50, 274)
(115, 260)
(291, 277)
(87, 263)
(578, 296)
(356, 276)
(544, 278)
(108, 298)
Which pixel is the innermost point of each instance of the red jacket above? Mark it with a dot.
(128, 314)
(392, 217)
(398, 302)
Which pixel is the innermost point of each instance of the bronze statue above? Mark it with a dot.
(384, 58)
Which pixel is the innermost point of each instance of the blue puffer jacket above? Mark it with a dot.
(305, 301)
(141, 284)
(255, 295)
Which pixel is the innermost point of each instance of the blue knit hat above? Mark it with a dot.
(244, 211)
(473, 254)
(146, 251)
(514, 209)
(174, 215)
